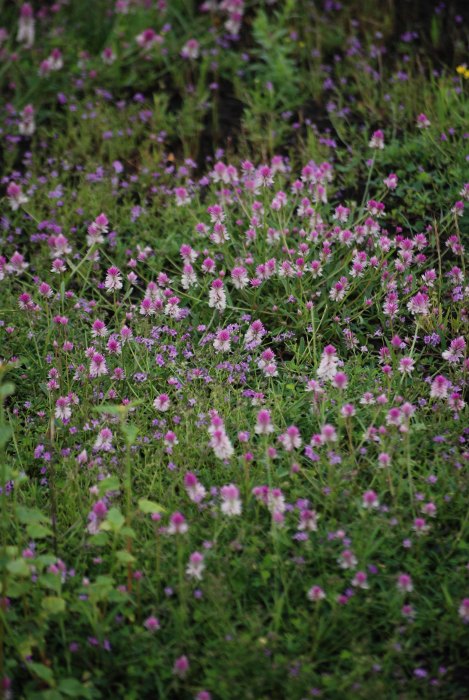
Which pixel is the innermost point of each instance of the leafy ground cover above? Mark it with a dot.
(233, 323)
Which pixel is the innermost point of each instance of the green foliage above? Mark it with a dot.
(87, 558)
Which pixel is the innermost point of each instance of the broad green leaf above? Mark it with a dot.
(99, 540)
(114, 520)
(50, 581)
(147, 506)
(110, 408)
(53, 605)
(5, 434)
(38, 531)
(7, 389)
(29, 516)
(16, 588)
(18, 567)
(43, 672)
(111, 483)
(125, 557)
(72, 688)
(130, 432)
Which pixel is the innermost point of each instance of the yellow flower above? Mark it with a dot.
(462, 69)
(466, 73)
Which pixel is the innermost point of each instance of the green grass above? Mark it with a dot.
(86, 561)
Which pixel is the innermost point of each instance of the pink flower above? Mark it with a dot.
(181, 667)
(62, 408)
(291, 439)
(170, 440)
(98, 329)
(377, 140)
(190, 49)
(152, 624)
(328, 433)
(96, 517)
(98, 365)
(308, 520)
(113, 281)
(195, 490)
(148, 38)
(463, 610)
(162, 402)
(456, 350)
(420, 526)
(222, 342)
(188, 278)
(360, 580)
(26, 29)
(429, 509)
(340, 380)
(391, 181)
(103, 442)
(329, 361)
(26, 125)
(408, 612)
(195, 566)
(419, 305)
(348, 410)
(217, 296)
(267, 363)
(231, 504)
(219, 440)
(347, 560)
(15, 196)
(404, 583)
(315, 594)
(423, 121)
(440, 387)
(254, 334)
(264, 423)
(108, 56)
(384, 459)
(182, 196)
(239, 277)
(370, 500)
(177, 524)
(406, 365)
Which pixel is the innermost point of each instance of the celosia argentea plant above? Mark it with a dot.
(233, 442)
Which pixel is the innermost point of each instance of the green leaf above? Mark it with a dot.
(114, 520)
(72, 688)
(125, 557)
(7, 389)
(447, 597)
(50, 581)
(51, 694)
(53, 605)
(111, 483)
(29, 516)
(16, 589)
(147, 506)
(117, 409)
(130, 432)
(38, 531)
(111, 409)
(128, 531)
(99, 540)
(45, 560)
(100, 589)
(43, 672)
(5, 434)
(18, 567)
